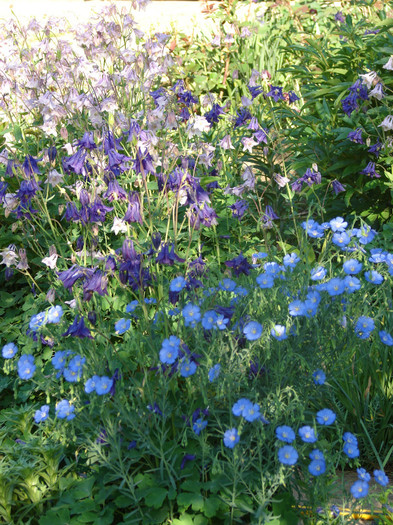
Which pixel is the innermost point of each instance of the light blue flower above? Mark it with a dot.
(122, 325)
(279, 332)
(209, 319)
(338, 224)
(386, 338)
(231, 438)
(227, 285)
(55, 314)
(9, 350)
(319, 377)
(318, 273)
(199, 425)
(265, 280)
(326, 417)
(188, 368)
(352, 266)
(64, 410)
(42, 414)
(252, 331)
(317, 467)
(287, 455)
(214, 372)
(177, 284)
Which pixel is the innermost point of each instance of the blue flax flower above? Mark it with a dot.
(199, 425)
(227, 285)
(9, 350)
(364, 326)
(64, 410)
(170, 345)
(350, 438)
(188, 368)
(307, 434)
(191, 314)
(122, 325)
(317, 467)
(91, 384)
(335, 286)
(252, 412)
(209, 320)
(26, 366)
(241, 407)
(351, 450)
(291, 260)
(381, 478)
(177, 284)
(386, 338)
(42, 414)
(55, 314)
(326, 417)
(231, 438)
(341, 239)
(221, 322)
(265, 280)
(316, 454)
(279, 332)
(373, 277)
(297, 308)
(252, 331)
(285, 433)
(287, 455)
(214, 372)
(352, 266)
(352, 284)
(363, 474)
(318, 273)
(130, 308)
(319, 377)
(338, 224)
(103, 385)
(359, 489)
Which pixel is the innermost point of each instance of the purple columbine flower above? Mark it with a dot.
(133, 213)
(239, 265)
(213, 115)
(369, 170)
(75, 163)
(337, 187)
(238, 209)
(168, 257)
(375, 148)
(30, 166)
(115, 192)
(276, 93)
(87, 141)
(78, 329)
(186, 459)
(356, 136)
(243, 116)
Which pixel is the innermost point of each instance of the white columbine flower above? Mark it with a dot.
(377, 92)
(197, 126)
(226, 142)
(119, 226)
(387, 123)
(54, 178)
(368, 78)
(389, 64)
(248, 143)
(9, 257)
(50, 261)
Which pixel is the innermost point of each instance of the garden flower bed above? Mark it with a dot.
(196, 269)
